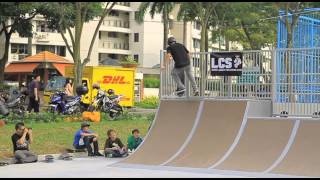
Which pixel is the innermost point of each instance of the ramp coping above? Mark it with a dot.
(287, 147)
(236, 140)
(193, 130)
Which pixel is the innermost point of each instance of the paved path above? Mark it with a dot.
(90, 167)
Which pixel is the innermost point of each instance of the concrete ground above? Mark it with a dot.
(92, 167)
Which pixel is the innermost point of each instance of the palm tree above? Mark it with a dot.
(164, 8)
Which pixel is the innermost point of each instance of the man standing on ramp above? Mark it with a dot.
(182, 66)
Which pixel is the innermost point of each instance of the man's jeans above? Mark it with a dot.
(24, 156)
(178, 74)
(87, 144)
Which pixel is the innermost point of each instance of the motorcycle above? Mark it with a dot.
(63, 104)
(108, 103)
(14, 103)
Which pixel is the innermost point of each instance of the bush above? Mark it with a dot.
(151, 82)
(151, 102)
(36, 117)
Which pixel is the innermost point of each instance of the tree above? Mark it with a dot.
(64, 16)
(198, 11)
(14, 17)
(244, 22)
(163, 8)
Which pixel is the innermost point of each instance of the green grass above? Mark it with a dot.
(151, 102)
(53, 137)
(151, 82)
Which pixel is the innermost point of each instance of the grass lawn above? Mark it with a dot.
(53, 137)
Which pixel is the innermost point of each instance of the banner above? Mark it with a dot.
(226, 63)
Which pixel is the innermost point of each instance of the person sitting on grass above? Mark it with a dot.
(134, 140)
(21, 140)
(84, 138)
(113, 146)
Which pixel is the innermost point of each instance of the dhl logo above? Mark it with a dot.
(114, 80)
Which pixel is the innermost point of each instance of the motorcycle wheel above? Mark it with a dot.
(77, 110)
(91, 108)
(114, 115)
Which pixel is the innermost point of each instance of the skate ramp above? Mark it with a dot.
(260, 145)
(303, 157)
(172, 125)
(218, 126)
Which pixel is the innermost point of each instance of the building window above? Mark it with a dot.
(196, 43)
(42, 26)
(112, 34)
(40, 48)
(61, 51)
(99, 34)
(114, 13)
(136, 37)
(197, 25)
(136, 57)
(112, 56)
(136, 15)
(20, 49)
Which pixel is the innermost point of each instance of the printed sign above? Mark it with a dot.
(226, 63)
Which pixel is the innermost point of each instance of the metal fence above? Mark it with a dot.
(288, 77)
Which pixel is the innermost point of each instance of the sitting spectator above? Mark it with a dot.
(84, 138)
(134, 140)
(113, 146)
(21, 140)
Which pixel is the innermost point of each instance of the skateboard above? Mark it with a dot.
(179, 94)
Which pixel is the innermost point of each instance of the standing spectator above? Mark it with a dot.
(113, 146)
(134, 140)
(34, 98)
(21, 140)
(68, 88)
(84, 138)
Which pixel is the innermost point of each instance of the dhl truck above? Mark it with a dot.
(121, 80)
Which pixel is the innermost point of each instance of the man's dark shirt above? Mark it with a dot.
(179, 54)
(15, 137)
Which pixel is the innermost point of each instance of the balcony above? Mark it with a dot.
(123, 4)
(116, 26)
(116, 23)
(115, 45)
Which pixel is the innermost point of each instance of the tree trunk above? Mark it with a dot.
(30, 46)
(4, 59)
(76, 49)
(203, 58)
(185, 32)
(219, 39)
(165, 28)
(207, 41)
(227, 43)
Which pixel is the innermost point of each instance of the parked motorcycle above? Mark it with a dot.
(106, 101)
(13, 103)
(63, 104)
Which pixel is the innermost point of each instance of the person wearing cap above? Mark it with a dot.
(181, 57)
(84, 138)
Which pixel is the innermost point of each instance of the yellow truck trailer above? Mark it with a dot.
(121, 80)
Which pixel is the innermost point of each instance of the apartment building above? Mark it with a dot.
(119, 36)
